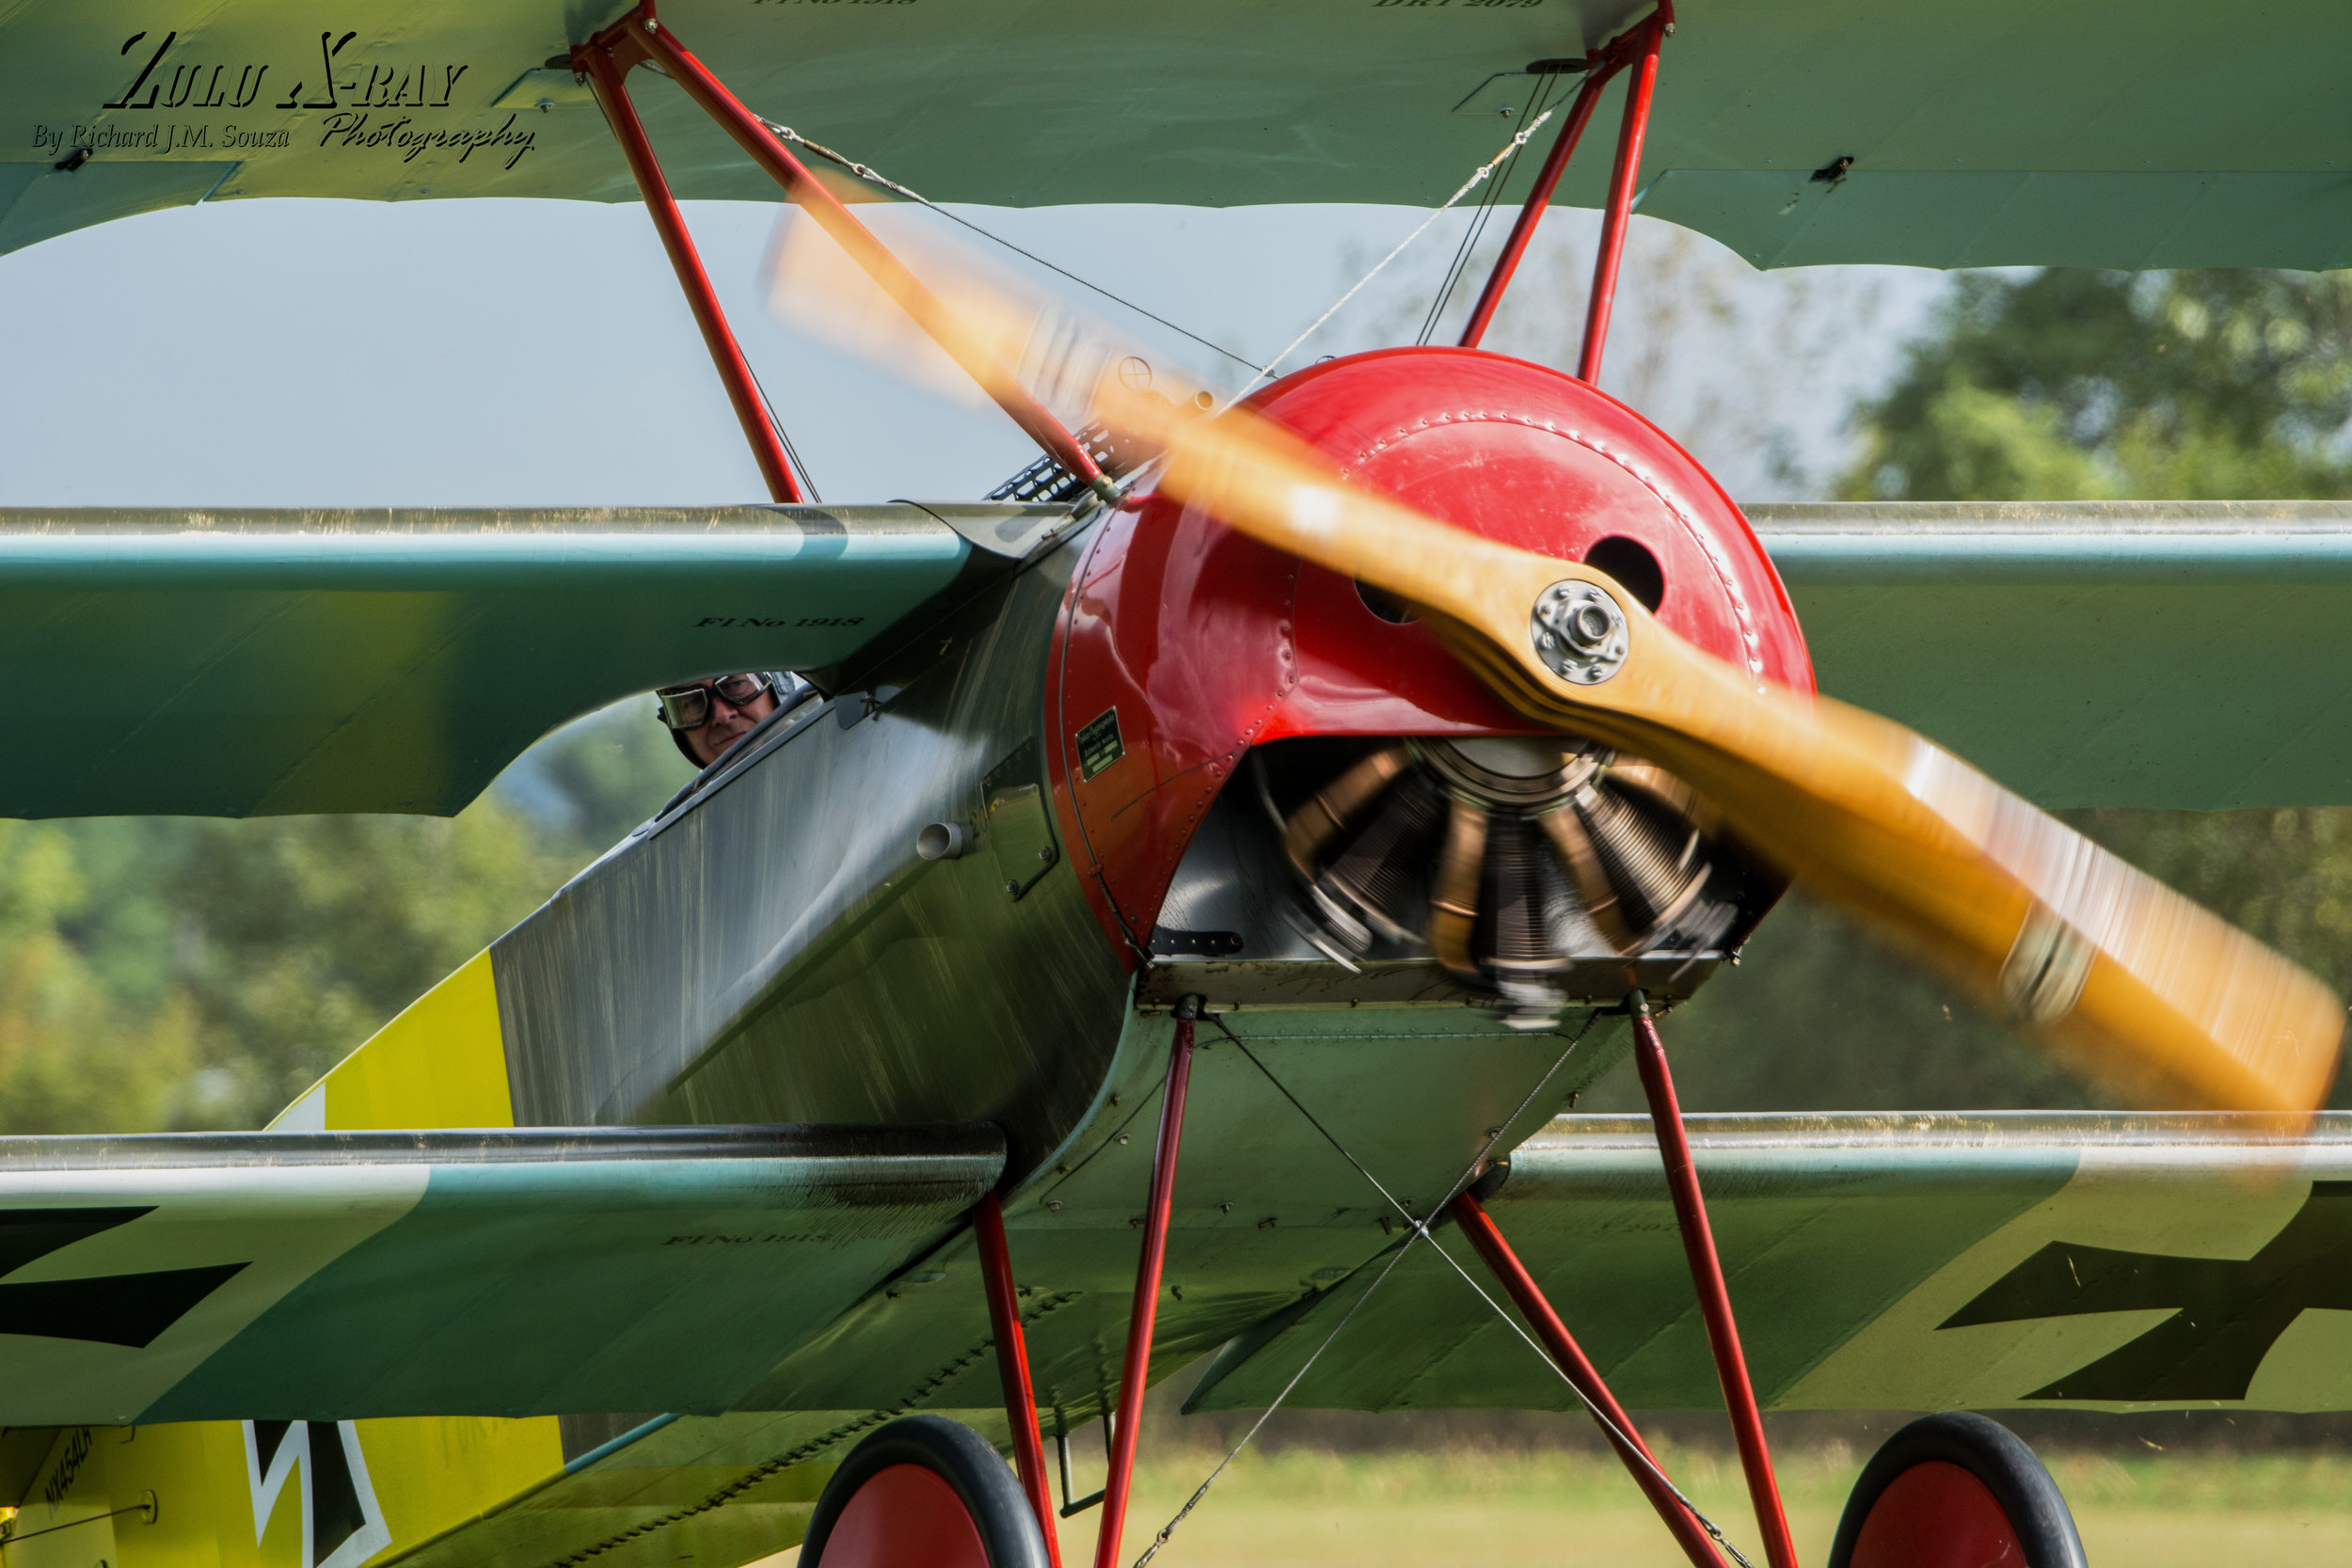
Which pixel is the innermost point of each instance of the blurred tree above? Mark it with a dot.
(78, 1051)
(296, 938)
(2218, 384)
(179, 973)
(2046, 386)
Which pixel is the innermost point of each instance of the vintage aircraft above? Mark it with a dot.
(1204, 871)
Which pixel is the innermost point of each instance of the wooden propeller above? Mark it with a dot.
(2138, 985)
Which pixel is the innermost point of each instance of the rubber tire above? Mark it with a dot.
(991, 1500)
(2019, 1485)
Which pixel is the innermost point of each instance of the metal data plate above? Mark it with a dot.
(1020, 831)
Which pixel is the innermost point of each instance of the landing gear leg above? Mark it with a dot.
(1706, 1273)
(1126, 1424)
(1487, 1236)
(1013, 1363)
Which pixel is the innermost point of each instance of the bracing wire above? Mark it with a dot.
(783, 437)
(1538, 101)
(1259, 372)
(874, 177)
(1477, 177)
(1419, 1228)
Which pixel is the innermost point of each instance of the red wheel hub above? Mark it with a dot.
(1937, 1515)
(905, 1516)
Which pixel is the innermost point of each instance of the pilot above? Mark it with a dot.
(710, 718)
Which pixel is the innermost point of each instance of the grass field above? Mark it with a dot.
(1501, 1508)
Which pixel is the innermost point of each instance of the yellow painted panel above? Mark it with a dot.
(419, 1479)
(437, 1473)
(203, 1517)
(441, 1063)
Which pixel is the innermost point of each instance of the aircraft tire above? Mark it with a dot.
(1954, 1491)
(923, 1492)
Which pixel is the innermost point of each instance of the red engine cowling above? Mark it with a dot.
(1184, 646)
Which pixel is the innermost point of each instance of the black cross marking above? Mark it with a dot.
(112, 1309)
(2226, 1312)
(336, 1512)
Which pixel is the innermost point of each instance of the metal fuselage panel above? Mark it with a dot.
(776, 951)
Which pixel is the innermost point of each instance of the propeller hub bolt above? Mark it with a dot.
(1580, 633)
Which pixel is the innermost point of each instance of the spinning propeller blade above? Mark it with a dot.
(2138, 985)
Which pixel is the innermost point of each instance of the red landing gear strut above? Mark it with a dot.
(1706, 1273)
(1013, 1363)
(1479, 1227)
(1723, 1332)
(640, 38)
(1013, 1354)
(1137, 1370)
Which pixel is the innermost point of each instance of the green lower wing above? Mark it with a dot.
(2188, 654)
(176, 1277)
(236, 664)
(1926, 1262)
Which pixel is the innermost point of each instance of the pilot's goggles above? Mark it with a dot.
(688, 708)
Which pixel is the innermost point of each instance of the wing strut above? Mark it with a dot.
(1127, 1424)
(1621, 183)
(1637, 47)
(605, 60)
(641, 36)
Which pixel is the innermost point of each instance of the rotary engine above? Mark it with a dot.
(1513, 861)
(1286, 790)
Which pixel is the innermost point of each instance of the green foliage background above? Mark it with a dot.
(179, 973)
(184, 974)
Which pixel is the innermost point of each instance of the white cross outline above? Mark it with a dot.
(372, 1536)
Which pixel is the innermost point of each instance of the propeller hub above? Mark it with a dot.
(1578, 632)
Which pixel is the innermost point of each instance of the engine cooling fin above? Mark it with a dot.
(1511, 860)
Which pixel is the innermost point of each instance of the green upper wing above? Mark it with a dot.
(267, 662)
(334, 1276)
(2189, 654)
(2110, 132)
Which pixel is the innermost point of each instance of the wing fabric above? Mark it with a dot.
(2188, 654)
(1899, 1261)
(270, 662)
(1935, 133)
(342, 1275)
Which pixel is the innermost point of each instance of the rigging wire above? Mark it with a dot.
(1477, 177)
(783, 437)
(1509, 153)
(1419, 1229)
(876, 177)
(1538, 101)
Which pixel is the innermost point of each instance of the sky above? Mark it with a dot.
(336, 353)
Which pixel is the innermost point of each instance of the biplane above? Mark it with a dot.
(1172, 926)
